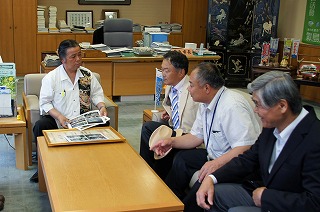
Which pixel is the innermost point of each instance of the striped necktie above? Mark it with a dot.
(175, 108)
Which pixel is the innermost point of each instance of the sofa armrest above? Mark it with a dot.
(113, 111)
(32, 114)
(32, 110)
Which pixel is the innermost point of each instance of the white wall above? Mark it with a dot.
(291, 18)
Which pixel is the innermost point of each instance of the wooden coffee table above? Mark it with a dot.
(147, 115)
(101, 177)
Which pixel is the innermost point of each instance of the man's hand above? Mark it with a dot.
(103, 111)
(165, 116)
(63, 121)
(205, 193)
(208, 168)
(162, 146)
(257, 194)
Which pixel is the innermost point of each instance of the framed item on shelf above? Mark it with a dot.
(82, 18)
(109, 14)
(114, 2)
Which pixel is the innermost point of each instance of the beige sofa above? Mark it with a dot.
(30, 97)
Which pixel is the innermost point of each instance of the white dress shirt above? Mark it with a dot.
(233, 123)
(178, 87)
(283, 137)
(57, 91)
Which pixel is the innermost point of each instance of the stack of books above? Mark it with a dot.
(176, 27)
(89, 29)
(98, 24)
(51, 60)
(165, 27)
(41, 19)
(53, 19)
(78, 30)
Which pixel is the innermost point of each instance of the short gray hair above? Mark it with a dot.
(273, 86)
(208, 73)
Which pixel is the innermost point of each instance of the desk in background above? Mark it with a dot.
(129, 76)
(101, 177)
(17, 127)
(309, 89)
(259, 70)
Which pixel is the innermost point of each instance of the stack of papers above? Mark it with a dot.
(116, 52)
(63, 26)
(176, 27)
(205, 52)
(53, 17)
(51, 60)
(100, 47)
(41, 19)
(89, 29)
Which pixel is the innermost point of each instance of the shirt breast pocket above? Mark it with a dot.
(60, 96)
(216, 141)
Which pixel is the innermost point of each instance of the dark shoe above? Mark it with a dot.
(34, 178)
(2, 199)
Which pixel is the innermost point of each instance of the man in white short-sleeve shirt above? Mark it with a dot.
(225, 123)
(66, 92)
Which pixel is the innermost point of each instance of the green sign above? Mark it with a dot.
(311, 30)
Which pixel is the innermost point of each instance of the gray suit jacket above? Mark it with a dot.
(187, 107)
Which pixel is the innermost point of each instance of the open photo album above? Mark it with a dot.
(63, 137)
(87, 120)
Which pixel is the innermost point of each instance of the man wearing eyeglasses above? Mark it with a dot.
(179, 109)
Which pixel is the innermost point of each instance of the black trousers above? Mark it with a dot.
(44, 123)
(162, 166)
(185, 164)
(190, 201)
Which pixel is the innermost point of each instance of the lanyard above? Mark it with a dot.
(214, 112)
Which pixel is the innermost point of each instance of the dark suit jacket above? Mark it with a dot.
(294, 181)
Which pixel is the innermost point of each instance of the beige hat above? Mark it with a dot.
(162, 132)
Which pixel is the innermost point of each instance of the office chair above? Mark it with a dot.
(117, 32)
(98, 36)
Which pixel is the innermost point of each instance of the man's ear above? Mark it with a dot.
(62, 60)
(207, 88)
(283, 104)
(183, 72)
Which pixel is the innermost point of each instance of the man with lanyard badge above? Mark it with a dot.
(225, 123)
